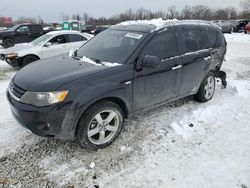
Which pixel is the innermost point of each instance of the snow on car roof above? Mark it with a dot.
(62, 32)
(160, 23)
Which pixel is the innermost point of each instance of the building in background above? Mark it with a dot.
(6, 21)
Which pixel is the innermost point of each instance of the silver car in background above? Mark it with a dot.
(225, 26)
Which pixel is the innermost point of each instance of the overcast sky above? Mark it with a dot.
(50, 10)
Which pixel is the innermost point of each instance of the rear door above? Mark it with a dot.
(59, 45)
(195, 60)
(156, 85)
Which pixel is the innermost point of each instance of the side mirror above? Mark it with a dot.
(73, 53)
(48, 44)
(150, 61)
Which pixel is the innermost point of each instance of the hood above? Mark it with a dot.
(3, 32)
(51, 73)
(17, 48)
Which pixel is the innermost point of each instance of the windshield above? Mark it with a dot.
(40, 40)
(114, 46)
(13, 28)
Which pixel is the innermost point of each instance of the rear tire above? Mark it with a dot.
(7, 43)
(29, 59)
(207, 89)
(100, 125)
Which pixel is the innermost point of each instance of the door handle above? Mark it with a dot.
(176, 67)
(202, 58)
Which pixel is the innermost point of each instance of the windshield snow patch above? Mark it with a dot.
(103, 63)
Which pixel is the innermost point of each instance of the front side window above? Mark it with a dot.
(163, 45)
(23, 29)
(193, 40)
(114, 46)
(60, 39)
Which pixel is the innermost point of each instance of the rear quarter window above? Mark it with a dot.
(221, 41)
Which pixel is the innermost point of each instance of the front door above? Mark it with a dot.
(58, 45)
(156, 85)
(22, 34)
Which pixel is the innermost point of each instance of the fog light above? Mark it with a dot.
(43, 126)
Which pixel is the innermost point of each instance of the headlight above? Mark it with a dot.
(40, 99)
(11, 56)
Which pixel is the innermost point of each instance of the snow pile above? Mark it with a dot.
(159, 23)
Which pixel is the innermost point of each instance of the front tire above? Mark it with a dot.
(207, 89)
(7, 43)
(29, 59)
(100, 125)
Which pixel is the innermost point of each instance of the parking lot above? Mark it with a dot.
(183, 144)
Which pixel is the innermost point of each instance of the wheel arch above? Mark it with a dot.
(35, 55)
(9, 37)
(113, 99)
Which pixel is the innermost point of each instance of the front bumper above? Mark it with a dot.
(12, 62)
(52, 121)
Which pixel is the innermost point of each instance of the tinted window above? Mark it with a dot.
(211, 37)
(23, 29)
(220, 40)
(164, 45)
(193, 41)
(76, 38)
(36, 28)
(60, 39)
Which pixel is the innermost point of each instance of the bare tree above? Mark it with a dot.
(173, 13)
(245, 5)
(186, 12)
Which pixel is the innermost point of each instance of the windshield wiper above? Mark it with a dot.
(96, 60)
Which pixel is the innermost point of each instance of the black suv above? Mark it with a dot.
(124, 69)
(20, 33)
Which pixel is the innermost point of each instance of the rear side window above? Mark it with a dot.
(36, 29)
(211, 37)
(76, 38)
(164, 45)
(193, 40)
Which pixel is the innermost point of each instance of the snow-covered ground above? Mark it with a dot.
(184, 144)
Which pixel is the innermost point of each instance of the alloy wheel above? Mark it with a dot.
(103, 127)
(209, 87)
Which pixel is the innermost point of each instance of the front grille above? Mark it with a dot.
(16, 90)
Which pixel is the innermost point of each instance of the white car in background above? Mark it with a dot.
(51, 44)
